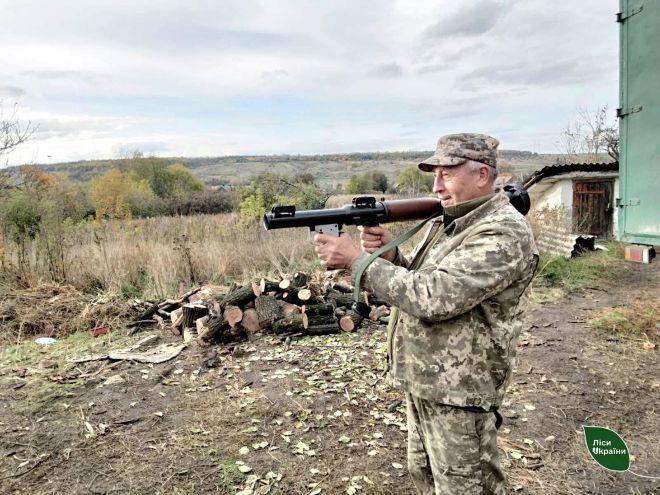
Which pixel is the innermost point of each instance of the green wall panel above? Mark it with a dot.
(639, 161)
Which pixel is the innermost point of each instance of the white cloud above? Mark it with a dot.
(385, 70)
(7, 91)
(468, 20)
(193, 78)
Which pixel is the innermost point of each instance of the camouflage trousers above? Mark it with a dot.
(452, 451)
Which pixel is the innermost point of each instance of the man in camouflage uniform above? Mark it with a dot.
(453, 332)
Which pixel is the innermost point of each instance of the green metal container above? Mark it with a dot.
(639, 122)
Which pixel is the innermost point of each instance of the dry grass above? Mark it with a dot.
(154, 257)
(638, 317)
(157, 257)
(56, 311)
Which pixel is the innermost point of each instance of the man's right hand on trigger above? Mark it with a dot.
(372, 238)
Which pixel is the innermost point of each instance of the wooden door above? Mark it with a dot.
(593, 207)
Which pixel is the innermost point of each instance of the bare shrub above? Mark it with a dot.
(589, 136)
(151, 257)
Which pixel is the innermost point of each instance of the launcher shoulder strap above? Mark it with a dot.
(359, 306)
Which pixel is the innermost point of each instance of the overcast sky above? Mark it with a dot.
(225, 77)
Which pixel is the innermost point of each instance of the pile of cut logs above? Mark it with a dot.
(295, 305)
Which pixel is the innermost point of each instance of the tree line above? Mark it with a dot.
(38, 208)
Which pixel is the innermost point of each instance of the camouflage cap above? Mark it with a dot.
(456, 149)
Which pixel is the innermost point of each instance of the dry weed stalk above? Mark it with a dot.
(151, 257)
(548, 219)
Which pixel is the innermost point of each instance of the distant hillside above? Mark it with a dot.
(330, 170)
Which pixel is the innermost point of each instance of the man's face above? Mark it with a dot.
(457, 184)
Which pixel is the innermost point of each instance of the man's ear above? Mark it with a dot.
(484, 175)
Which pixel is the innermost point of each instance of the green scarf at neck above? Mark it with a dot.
(459, 209)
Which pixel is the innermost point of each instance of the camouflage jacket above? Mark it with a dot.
(459, 307)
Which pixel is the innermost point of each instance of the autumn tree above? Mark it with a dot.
(359, 184)
(154, 172)
(62, 206)
(166, 181)
(379, 181)
(183, 182)
(268, 189)
(21, 221)
(22, 209)
(37, 217)
(263, 190)
(34, 181)
(304, 178)
(412, 181)
(173, 185)
(117, 194)
(367, 182)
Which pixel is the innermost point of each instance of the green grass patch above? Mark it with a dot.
(75, 345)
(637, 318)
(230, 475)
(588, 269)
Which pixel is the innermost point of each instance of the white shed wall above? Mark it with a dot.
(560, 194)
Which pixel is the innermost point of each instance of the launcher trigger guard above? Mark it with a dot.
(332, 229)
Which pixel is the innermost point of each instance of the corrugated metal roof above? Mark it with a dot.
(537, 189)
(562, 242)
(558, 169)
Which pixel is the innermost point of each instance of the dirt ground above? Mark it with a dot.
(316, 416)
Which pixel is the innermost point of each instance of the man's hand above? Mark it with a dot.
(371, 238)
(336, 252)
